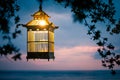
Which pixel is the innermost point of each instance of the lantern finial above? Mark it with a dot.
(40, 7)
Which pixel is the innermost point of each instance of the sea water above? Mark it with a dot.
(59, 75)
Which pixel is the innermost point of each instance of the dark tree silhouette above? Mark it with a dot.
(91, 12)
(8, 11)
(88, 12)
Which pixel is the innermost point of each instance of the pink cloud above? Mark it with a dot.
(77, 49)
(74, 58)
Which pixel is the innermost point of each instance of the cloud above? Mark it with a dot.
(69, 54)
(67, 58)
(77, 57)
(77, 49)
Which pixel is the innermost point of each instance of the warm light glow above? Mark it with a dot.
(38, 41)
(40, 37)
(42, 22)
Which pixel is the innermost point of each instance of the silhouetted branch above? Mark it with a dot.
(97, 11)
(8, 10)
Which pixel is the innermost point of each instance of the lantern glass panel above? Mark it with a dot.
(37, 41)
(38, 47)
(41, 35)
(41, 46)
(37, 35)
(51, 36)
(30, 35)
(31, 47)
(51, 47)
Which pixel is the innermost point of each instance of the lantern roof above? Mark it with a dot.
(38, 18)
(40, 21)
(40, 13)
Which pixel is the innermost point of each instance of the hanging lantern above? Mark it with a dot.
(40, 37)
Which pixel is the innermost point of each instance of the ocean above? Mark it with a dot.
(59, 75)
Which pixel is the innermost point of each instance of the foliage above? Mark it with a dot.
(8, 9)
(91, 12)
(88, 12)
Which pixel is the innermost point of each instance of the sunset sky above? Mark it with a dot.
(74, 50)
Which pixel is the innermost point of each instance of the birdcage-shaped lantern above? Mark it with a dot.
(40, 37)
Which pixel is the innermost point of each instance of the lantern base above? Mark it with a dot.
(40, 55)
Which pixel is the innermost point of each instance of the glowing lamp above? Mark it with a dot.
(40, 37)
(42, 22)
